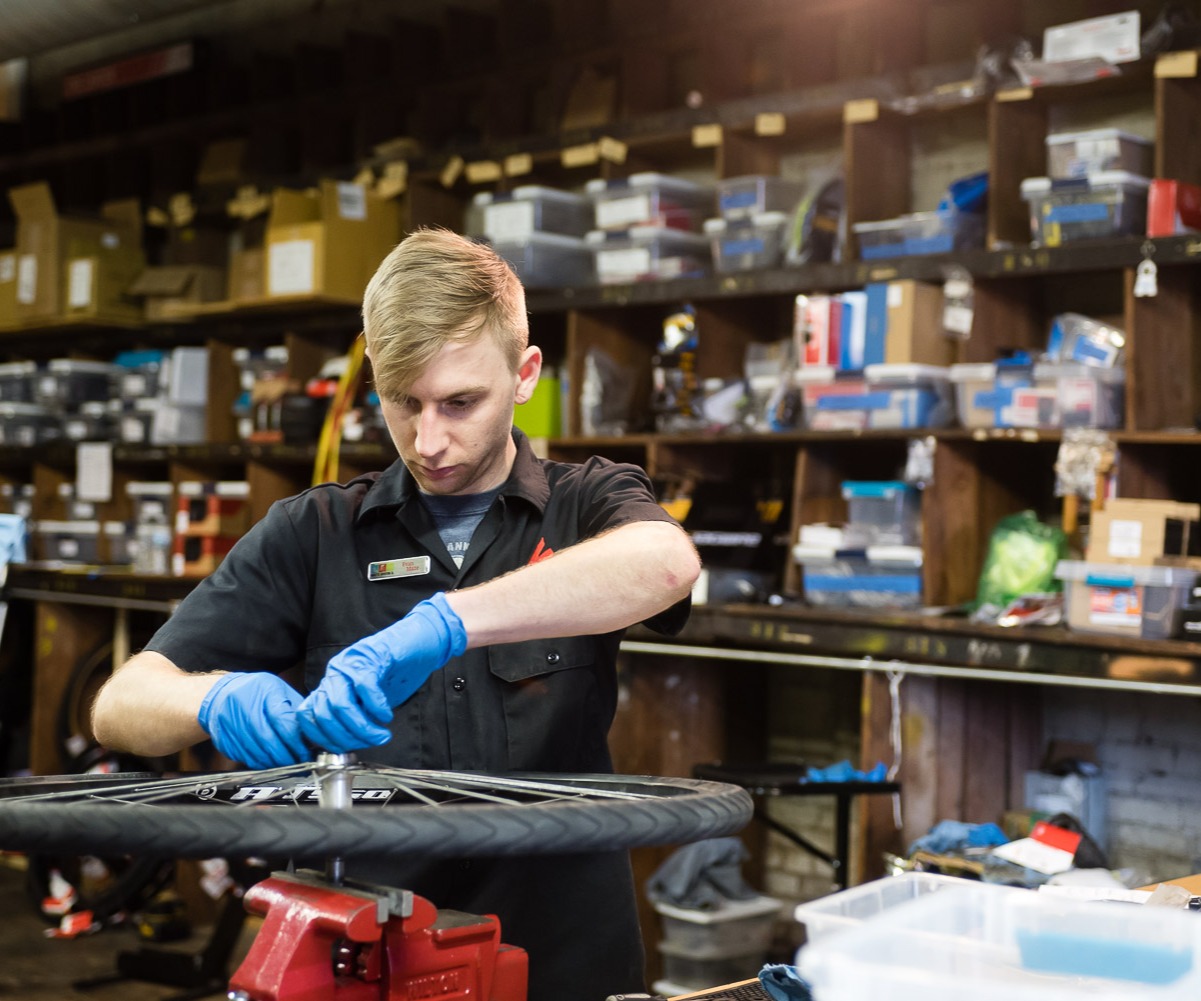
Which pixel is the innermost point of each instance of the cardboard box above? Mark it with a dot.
(68, 266)
(915, 325)
(247, 255)
(1134, 531)
(176, 291)
(1173, 207)
(327, 242)
(8, 289)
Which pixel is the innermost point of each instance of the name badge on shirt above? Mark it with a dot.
(406, 566)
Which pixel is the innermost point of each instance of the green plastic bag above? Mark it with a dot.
(1022, 553)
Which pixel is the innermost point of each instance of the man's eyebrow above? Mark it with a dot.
(465, 391)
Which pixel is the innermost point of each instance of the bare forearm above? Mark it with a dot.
(610, 582)
(149, 706)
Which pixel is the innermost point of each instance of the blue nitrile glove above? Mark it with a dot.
(352, 706)
(251, 717)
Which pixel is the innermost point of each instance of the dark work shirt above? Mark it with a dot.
(295, 591)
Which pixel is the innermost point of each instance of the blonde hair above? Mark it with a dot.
(433, 288)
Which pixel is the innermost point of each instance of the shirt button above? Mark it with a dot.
(553, 657)
(459, 684)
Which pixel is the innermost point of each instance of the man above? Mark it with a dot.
(460, 610)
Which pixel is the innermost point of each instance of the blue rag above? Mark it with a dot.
(844, 771)
(955, 835)
(12, 539)
(783, 983)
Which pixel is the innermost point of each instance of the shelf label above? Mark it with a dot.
(613, 150)
(352, 201)
(620, 213)
(1016, 94)
(8, 267)
(27, 278)
(483, 172)
(79, 282)
(769, 123)
(394, 180)
(290, 267)
(704, 136)
(94, 471)
(1177, 65)
(517, 164)
(866, 109)
(583, 155)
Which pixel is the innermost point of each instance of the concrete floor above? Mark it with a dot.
(34, 967)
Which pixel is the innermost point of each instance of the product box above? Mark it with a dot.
(327, 242)
(1002, 943)
(915, 332)
(1172, 207)
(1126, 599)
(1133, 531)
(68, 266)
(217, 508)
(177, 291)
(1078, 154)
(1106, 204)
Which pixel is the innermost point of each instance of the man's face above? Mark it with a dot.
(453, 428)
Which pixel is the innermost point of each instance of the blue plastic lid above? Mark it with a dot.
(875, 488)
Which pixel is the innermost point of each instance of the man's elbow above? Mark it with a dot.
(682, 563)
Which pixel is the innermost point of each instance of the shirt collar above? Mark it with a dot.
(395, 486)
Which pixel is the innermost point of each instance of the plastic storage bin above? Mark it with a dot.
(645, 253)
(737, 927)
(18, 380)
(1078, 154)
(648, 199)
(548, 260)
(999, 943)
(514, 215)
(849, 908)
(751, 244)
(831, 400)
(1106, 204)
(67, 382)
(1085, 396)
(28, 424)
(938, 232)
(878, 577)
(1126, 600)
(884, 397)
(974, 386)
(708, 967)
(69, 541)
(882, 512)
(752, 194)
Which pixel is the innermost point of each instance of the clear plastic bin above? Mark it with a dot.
(28, 424)
(1079, 338)
(878, 577)
(974, 384)
(751, 244)
(1078, 154)
(67, 382)
(830, 400)
(909, 396)
(648, 253)
(648, 199)
(752, 194)
(738, 926)
(1107, 204)
(996, 943)
(18, 380)
(882, 512)
(849, 908)
(512, 216)
(120, 543)
(69, 541)
(697, 970)
(1086, 396)
(548, 260)
(938, 232)
(1124, 599)
(91, 422)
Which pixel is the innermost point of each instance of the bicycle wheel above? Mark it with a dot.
(392, 811)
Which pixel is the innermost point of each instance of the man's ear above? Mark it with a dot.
(527, 373)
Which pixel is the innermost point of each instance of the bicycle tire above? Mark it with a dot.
(669, 811)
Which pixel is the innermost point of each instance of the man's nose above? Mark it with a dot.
(431, 436)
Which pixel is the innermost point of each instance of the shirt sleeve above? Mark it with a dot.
(621, 494)
(252, 612)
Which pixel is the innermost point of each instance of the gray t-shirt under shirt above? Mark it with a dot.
(457, 518)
